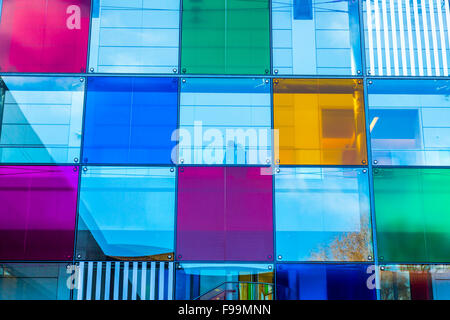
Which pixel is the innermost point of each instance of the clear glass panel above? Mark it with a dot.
(34, 281)
(124, 280)
(410, 122)
(45, 36)
(134, 36)
(225, 121)
(323, 214)
(324, 282)
(320, 122)
(407, 38)
(412, 206)
(41, 119)
(37, 215)
(415, 282)
(130, 120)
(224, 282)
(225, 37)
(316, 37)
(224, 213)
(126, 213)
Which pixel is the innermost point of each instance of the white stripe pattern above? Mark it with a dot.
(411, 37)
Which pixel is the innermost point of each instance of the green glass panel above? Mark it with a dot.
(225, 37)
(412, 208)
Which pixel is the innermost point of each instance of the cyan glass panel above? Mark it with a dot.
(325, 282)
(312, 37)
(130, 120)
(415, 282)
(35, 281)
(196, 281)
(135, 36)
(407, 38)
(225, 121)
(323, 214)
(410, 122)
(126, 213)
(40, 119)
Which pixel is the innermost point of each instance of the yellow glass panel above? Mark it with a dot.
(320, 122)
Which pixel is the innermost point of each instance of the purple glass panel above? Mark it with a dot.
(224, 213)
(37, 215)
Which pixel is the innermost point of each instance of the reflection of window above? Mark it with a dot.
(129, 280)
(415, 282)
(332, 117)
(34, 281)
(126, 213)
(224, 282)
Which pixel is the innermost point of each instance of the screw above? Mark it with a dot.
(280, 257)
(184, 80)
(75, 169)
(364, 170)
(75, 160)
(267, 81)
(368, 72)
(359, 71)
(269, 267)
(84, 169)
(169, 257)
(382, 268)
(278, 170)
(381, 258)
(266, 71)
(81, 79)
(179, 256)
(79, 256)
(91, 69)
(181, 160)
(174, 70)
(363, 162)
(267, 160)
(172, 169)
(369, 257)
(375, 161)
(370, 81)
(183, 70)
(269, 256)
(275, 71)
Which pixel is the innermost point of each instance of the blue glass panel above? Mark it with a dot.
(410, 122)
(196, 281)
(126, 213)
(225, 121)
(322, 214)
(34, 281)
(134, 36)
(408, 38)
(41, 119)
(316, 37)
(415, 282)
(130, 120)
(324, 282)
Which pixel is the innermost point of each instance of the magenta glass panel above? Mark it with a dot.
(224, 213)
(37, 212)
(44, 35)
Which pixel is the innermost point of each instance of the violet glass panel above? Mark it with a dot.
(224, 213)
(44, 35)
(37, 215)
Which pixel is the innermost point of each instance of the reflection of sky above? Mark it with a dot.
(130, 212)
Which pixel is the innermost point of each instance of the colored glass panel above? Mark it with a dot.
(324, 282)
(322, 214)
(37, 215)
(224, 213)
(407, 38)
(130, 120)
(225, 37)
(225, 121)
(319, 122)
(412, 214)
(34, 281)
(126, 213)
(124, 280)
(410, 122)
(41, 119)
(316, 37)
(134, 36)
(48, 36)
(415, 282)
(224, 282)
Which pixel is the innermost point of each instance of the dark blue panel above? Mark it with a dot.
(395, 123)
(407, 86)
(323, 282)
(303, 9)
(130, 120)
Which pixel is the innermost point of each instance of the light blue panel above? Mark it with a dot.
(41, 120)
(303, 45)
(319, 212)
(225, 121)
(128, 211)
(1, 7)
(136, 37)
(410, 122)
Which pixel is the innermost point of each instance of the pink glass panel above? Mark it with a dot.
(37, 212)
(224, 213)
(48, 36)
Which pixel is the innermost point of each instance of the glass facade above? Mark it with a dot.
(224, 150)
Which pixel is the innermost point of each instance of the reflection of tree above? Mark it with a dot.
(350, 246)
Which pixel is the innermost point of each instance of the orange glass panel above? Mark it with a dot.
(320, 122)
